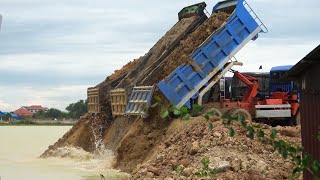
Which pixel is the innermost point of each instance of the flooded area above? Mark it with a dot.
(20, 148)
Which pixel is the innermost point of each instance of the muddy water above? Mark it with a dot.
(20, 148)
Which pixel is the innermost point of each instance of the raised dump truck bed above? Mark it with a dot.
(93, 100)
(209, 59)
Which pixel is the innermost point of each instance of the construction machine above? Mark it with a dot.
(278, 106)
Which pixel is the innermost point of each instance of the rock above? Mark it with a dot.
(194, 148)
(218, 135)
(287, 164)
(168, 178)
(143, 171)
(236, 164)
(214, 160)
(187, 171)
(261, 166)
(150, 175)
(154, 170)
(222, 166)
(150, 136)
(174, 162)
(244, 165)
(185, 162)
(284, 174)
(206, 143)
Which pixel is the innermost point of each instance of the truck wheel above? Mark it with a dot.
(297, 118)
(212, 112)
(240, 114)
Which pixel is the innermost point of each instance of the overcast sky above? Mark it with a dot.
(51, 51)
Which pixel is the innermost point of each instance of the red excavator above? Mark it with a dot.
(279, 106)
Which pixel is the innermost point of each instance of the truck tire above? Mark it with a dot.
(240, 113)
(215, 112)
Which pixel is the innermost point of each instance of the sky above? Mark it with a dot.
(52, 51)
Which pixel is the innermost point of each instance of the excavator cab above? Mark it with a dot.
(193, 10)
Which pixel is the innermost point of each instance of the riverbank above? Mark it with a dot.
(38, 123)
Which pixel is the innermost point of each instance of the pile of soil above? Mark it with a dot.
(186, 143)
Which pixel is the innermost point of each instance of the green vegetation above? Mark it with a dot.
(75, 111)
(52, 114)
(6, 117)
(206, 172)
(169, 111)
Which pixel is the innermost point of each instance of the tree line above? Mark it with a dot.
(74, 111)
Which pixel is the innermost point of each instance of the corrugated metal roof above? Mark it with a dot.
(297, 70)
(281, 68)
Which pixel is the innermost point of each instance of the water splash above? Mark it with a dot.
(81, 159)
(97, 131)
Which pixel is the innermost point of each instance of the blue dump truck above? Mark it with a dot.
(211, 60)
(277, 83)
(203, 68)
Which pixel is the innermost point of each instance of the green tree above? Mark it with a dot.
(51, 113)
(56, 113)
(6, 117)
(75, 110)
(41, 115)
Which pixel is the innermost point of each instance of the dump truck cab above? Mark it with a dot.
(193, 10)
(277, 84)
(227, 6)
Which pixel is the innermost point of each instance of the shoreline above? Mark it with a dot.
(38, 123)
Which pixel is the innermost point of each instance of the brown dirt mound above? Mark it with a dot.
(187, 142)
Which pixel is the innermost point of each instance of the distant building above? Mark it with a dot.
(23, 112)
(14, 116)
(36, 108)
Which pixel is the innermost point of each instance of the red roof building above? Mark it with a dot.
(35, 108)
(23, 112)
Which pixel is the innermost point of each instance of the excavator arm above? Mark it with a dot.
(253, 86)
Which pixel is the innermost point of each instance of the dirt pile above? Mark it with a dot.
(188, 142)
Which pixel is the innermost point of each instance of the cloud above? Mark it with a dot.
(58, 97)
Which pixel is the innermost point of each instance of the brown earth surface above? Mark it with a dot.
(186, 143)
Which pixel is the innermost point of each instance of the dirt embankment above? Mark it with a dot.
(186, 143)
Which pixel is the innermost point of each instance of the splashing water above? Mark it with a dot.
(97, 131)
